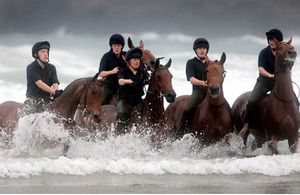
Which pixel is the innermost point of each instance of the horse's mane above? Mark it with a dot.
(75, 82)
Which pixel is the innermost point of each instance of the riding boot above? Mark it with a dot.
(183, 125)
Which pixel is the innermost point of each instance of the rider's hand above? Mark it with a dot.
(115, 70)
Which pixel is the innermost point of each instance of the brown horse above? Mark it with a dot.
(84, 93)
(150, 112)
(276, 116)
(212, 121)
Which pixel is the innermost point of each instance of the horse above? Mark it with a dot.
(150, 112)
(212, 120)
(84, 93)
(276, 116)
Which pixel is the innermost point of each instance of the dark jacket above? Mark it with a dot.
(266, 59)
(196, 68)
(109, 61)
(135, 90)
(34, 73)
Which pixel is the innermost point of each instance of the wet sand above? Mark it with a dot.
(169, 183)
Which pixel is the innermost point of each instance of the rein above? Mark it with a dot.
(289, 65)
(85, 90)
(284, 101)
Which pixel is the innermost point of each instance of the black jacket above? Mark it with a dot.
(35, 72)
(109, 61)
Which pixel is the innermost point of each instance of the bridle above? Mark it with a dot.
(159, 94)
(284, 61)
(84, 92)
(289, 65)
(223, 77)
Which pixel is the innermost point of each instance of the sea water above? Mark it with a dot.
(132, 163)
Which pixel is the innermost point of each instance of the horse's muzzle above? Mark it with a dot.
(170, 97)
(214, 91)
(291, 56)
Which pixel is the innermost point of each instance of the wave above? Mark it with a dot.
(26, 156)
(132, 153)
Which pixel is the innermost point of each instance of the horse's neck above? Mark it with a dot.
(66, 104)
(283, 85)
(153, 106)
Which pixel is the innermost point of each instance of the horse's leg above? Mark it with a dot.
(273, 145)
(257, 143)
(293, 143)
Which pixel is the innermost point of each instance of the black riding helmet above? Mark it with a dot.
(116, 39)
(201, 42)
(274, 33)
(38, 46)
(133, 53)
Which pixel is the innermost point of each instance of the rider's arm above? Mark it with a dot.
(125, 81)
(197, 82)
(45, 87)
(265, 73)
(109, 72)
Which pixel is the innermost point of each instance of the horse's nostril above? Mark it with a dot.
(213, 90)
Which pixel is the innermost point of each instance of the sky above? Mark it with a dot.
(192, 17)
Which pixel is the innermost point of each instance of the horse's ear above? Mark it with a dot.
(141, 44)
(207, 60)
(290, 41)
(168, 63)
(130, 44)
(223, 58)
(157, 63)
(96, 76)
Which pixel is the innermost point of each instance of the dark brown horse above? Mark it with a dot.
(212, 120)
(84, 93)
(276, 116)
(150, 112)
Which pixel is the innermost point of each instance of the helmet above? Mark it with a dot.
(134, 53)
(274, 33)
(116, 39)
(40, 45)
(201, 42)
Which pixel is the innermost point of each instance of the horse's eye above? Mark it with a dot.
(159, 77)
(94, 92)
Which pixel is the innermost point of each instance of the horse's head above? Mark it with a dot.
(147, 57)
(90, 97)
(161, 81)
(215, 76)
(285, 55)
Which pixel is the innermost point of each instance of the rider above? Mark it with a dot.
(265, 81)
(42, 81)
(196, 74)
(132, 81)
(110, 64)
